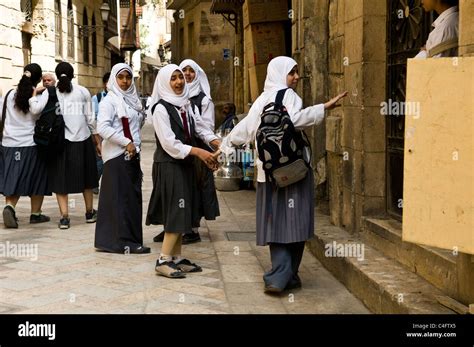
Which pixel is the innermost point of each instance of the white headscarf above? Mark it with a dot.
(121, 98)
(162, 88)
(200, 82)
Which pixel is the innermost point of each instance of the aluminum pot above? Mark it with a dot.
(228, 177)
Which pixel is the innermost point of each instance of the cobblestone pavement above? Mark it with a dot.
(69, 276)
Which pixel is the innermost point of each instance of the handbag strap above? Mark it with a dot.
(4, 113)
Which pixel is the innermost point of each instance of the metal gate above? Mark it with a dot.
(408, 29)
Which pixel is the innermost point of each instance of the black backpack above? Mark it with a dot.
(280, 146)
(50, 127)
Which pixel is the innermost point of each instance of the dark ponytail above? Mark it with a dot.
(65, 73)
(31, 76)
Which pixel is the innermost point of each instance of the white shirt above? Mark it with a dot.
(109, 127)
(245, 131)
(76, 108)
(19, 127)
(174, 147)
(446, 27)
(207, 112)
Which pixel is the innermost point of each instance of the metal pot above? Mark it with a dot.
(228, 177)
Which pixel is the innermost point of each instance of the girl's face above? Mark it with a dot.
(429, 5)
(177, 82)
(292, 78)
(124, 80)
(189, 74)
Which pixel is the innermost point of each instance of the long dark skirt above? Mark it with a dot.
(119, 216)
(22, 172)
(285, 215)
(74, 169)
(175, 200)
(209, 207)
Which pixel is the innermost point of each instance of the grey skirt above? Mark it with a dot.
(22, 172)
(285, 215)
(175, 199)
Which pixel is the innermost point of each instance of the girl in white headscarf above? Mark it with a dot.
(200, 97)
(174, 202)
(283, 226)
(119, 122)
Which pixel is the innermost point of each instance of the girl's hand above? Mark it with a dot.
(131, 150)
(215, 144)
(333, 102)
(205, 156)
(38, 90)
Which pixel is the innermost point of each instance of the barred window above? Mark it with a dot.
(58, 28)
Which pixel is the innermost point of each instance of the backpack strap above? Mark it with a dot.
(99, 96)
(4, 113)
(280, 95)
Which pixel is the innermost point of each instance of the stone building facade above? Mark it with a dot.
(50, 31)
(209, 40)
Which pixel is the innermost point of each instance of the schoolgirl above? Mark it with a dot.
(175, 200)
(284, 227)
(74, 169)
(22, 171)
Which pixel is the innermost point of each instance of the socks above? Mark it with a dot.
(164, 258)
(36, 214)
(177, 258)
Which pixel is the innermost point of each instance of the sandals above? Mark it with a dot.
(169, 269)
(186, 266)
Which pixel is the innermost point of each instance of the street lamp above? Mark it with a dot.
(87, 30)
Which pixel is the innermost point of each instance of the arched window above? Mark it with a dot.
(58, 28)
(85, 38)
(70, 30)
(94, 42)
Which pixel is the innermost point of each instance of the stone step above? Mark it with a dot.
(381, 283)
(435, 265)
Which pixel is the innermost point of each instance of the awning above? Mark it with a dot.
(113, 44)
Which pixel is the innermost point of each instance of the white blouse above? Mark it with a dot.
(19, 127)
(109, 127)
(245, 131)
(174, 147)
(446, 27)
(208, 112)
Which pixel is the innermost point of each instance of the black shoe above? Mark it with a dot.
(295, 283)
(91, 217)
(9, 217)
(191, 238)
(271, 289)
(35, 219)
(160, 237)
(140, 250)
(64, 223)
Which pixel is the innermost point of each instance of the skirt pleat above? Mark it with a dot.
(175, 199)
(285, 215)
(22, 172)
(74, 169)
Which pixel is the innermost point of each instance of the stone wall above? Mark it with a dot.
(211, 35)
(43, 49)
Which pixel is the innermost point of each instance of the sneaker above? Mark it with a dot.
(91, 217)
(186, 266)
(64, 223)
(9, 217)
(191, 238)
(35, 219)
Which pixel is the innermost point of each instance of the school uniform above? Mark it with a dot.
(175, 200)
(281, 225)
(203, 106)
(74, 169)
(119, 216)
(22, 171)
